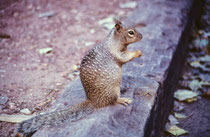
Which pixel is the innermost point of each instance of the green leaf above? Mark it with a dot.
(176, 131)
(185, 95)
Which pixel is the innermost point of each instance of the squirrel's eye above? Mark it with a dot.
(131, 32)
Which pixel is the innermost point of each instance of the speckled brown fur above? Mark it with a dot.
(100, 70)
(100, 73)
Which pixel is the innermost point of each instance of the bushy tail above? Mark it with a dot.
(30, 126)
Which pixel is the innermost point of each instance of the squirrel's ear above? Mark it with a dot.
(118, 26)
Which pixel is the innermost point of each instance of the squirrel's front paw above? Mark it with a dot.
(138, 53)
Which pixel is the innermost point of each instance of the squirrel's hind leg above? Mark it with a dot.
(123, 101)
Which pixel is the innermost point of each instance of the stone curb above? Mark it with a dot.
(149, 81)
(164, 101)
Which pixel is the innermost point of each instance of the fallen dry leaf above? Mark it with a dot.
(176, 131)
(185, 95)
(106, 20)
(47, 14)
(173, 120)
(45, 50)
(14, 118)
(131, 4)
(178, 106)
(180, 115)
(207, 94)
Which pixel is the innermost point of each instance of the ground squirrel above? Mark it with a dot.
(100, 73)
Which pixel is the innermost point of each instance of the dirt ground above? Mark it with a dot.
(31, 79)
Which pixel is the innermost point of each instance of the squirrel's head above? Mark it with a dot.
(126, 35)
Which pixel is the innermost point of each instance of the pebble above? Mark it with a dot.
(1, 108)
(87, 44)
(131, 5)
(92, 31)
(75, 67)
(38, 8)
(58, 84)
(30, 6)
(48, 40)
(15, 14)
(25, 111)
(12, 105)
(64, 16)
(121, 13)
(3, 100)
(2, 71)
(76, 73)
(46, 14)
(76, 41)
(70, 76)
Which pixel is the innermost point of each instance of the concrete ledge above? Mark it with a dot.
(149, 81)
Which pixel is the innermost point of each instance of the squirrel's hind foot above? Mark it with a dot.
(124, 101)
